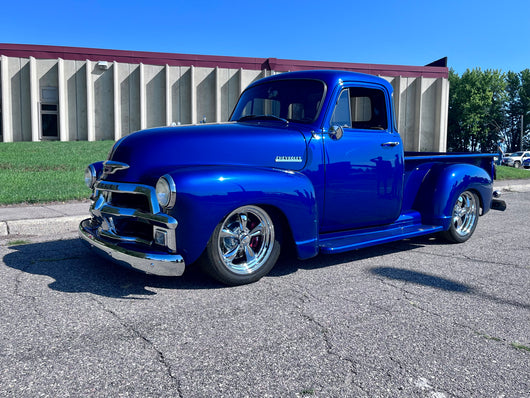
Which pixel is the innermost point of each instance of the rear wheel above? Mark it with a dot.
(517, 164)
(243, 247)
(464, 218)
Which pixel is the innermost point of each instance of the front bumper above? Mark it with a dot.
(128, 227)
(161, 263)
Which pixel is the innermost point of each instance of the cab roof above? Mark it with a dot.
(330, 77)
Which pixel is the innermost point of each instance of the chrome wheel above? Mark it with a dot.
(246, 240)
(244, 246)
(465, 213)
(464, 218)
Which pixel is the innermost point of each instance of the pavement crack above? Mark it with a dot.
(159, 354)
(18, 290)
(304, 296)
(471, 259)
(461, 325)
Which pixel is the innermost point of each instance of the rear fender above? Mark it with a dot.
(442, 185)
(207, 194)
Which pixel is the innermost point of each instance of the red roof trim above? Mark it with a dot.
(212, 61)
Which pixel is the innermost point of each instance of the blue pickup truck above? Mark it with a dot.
(310, 159)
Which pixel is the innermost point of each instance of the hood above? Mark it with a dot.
(155, 152)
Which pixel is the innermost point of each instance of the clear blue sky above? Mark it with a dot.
(471, 33)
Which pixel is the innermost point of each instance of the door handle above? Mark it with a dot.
(391, 144)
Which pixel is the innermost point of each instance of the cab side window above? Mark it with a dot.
(361, 108)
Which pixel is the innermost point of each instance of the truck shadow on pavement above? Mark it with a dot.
(420, 278)
(437, 282)
(75, 269)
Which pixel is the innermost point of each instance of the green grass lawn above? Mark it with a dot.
(511, 173)
(51, 171)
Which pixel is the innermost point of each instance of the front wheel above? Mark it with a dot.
(517, 164)
(464, 218)
(243, 247)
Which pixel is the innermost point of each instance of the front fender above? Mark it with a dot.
(442, 185)
(207, 194)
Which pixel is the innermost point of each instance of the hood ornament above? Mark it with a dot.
(110, 166)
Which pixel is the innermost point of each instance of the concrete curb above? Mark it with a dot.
(41, 220)
(42, 226)
(514, 188)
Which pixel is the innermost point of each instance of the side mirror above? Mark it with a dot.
(336, 132)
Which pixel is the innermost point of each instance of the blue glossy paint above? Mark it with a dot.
(408, 225)
(362, 170)
(363, 180)
(335, 195)
(441, 187)
(428, 177)
(151, 153)
(206, 194)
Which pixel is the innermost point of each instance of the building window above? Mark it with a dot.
(49, 113)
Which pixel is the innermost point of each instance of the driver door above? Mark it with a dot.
(364, 168)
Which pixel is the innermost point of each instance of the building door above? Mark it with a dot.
(49, 113)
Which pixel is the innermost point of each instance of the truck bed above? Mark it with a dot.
(482, 160)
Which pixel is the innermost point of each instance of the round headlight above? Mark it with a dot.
(90, 176)
(165, 191)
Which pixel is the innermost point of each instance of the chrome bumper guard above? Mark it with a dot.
(496, 203)
(162, 264)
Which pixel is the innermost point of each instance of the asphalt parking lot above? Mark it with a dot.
(417, 318)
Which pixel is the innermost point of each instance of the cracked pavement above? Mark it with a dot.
(417, 318)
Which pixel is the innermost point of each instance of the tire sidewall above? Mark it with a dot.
(215, 267)
(451, 234)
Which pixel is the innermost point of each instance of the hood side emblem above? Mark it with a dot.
(288, 159)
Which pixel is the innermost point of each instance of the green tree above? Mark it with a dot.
(476, 110)
(525, 106)
(456, 141)
(495, 120)
(514, 110)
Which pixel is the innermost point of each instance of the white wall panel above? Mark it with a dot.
(108, 103)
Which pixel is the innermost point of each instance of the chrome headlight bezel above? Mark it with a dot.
(166, 192)
(90, 176)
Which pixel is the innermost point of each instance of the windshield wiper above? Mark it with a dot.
(265, 117)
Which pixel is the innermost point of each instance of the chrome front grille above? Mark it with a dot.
(130, 214)
(131, 201)
(130, 195)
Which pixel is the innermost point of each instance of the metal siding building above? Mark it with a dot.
(72, 94)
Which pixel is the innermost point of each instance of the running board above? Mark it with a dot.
(346, 241)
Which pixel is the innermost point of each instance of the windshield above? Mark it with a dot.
(516, 154)
(290, 100)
